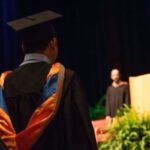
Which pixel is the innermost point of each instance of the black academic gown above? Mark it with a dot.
(71, 127)
(116, 97)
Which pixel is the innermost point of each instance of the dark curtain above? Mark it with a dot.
(9, 55)
(94, 37)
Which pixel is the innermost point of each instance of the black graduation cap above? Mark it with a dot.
(33, 20)
(35, 28)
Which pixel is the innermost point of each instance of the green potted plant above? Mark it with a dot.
(129, 131)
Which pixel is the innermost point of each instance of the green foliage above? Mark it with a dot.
(98, 110)
(129, 132)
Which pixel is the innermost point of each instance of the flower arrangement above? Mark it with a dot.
(128, 131)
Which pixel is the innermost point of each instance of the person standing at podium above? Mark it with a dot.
(117, 94)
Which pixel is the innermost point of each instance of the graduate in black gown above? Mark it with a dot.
(117, 94)
(40, 85)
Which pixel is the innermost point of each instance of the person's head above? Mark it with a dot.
(40, 39)
(115, 75)
(37, 33)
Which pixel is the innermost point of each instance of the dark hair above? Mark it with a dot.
(37, 38)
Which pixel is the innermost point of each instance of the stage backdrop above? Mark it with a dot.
(94, 37)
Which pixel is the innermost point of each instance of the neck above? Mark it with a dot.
(116, 83)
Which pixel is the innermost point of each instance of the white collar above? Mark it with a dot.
(34, 58)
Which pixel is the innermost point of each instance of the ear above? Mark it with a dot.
(53, 43)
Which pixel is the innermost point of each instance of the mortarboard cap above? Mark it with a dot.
(35, 29)
(33, 20)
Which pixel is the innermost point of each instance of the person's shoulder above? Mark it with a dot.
(124, 83)
(109, 87)
(69, 74)
(69, 80)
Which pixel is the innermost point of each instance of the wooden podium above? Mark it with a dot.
(140, 93)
